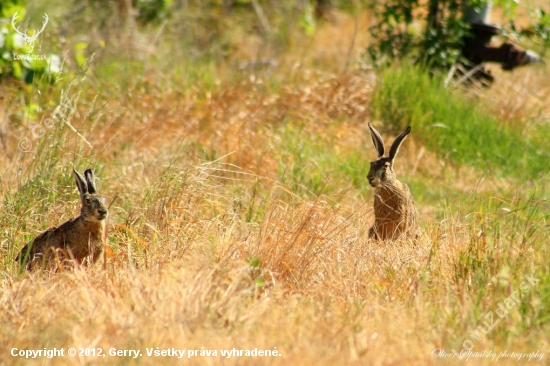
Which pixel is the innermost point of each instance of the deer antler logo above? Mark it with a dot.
(29, 40)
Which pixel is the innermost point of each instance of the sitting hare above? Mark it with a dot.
(81, 238)
(395, 213)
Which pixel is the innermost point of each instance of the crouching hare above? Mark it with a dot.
(395, 214)
(81, 238)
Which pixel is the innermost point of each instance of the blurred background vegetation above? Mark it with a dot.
(184, 45)
(207, 31)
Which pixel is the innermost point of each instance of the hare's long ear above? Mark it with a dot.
(90, 178)
(80, 183)
(397, 143)
(377, 141)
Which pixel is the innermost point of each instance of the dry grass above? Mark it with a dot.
(212, 246)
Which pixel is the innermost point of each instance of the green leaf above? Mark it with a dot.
(254, 262)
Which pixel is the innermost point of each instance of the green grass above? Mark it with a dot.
(455, 127)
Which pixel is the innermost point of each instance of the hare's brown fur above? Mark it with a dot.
(81, 238)
(395, 214)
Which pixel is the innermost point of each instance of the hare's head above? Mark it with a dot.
(93, 206)
(381, 170)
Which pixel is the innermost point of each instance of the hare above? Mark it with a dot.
(81, 238)
(395, 213)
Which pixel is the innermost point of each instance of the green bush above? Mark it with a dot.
(432, 32)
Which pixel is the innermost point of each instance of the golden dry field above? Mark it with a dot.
(232, 149)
